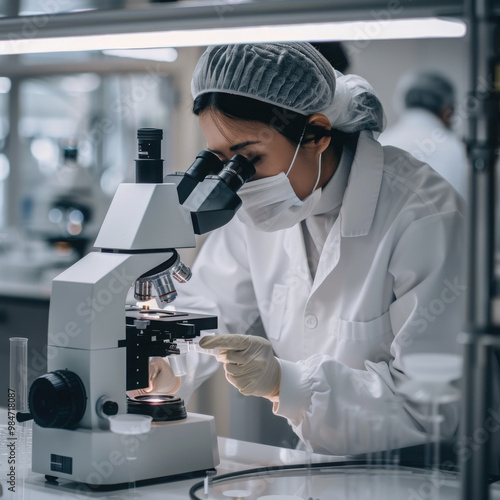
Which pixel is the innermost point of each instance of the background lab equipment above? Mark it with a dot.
(60, 220)
(97, 351)
(69, 207)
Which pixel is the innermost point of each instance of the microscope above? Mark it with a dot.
(66, 210)
(99, 348)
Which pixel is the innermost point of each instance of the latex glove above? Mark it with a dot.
(161, 379)
(249, 363)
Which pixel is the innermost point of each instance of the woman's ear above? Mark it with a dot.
(319, 142)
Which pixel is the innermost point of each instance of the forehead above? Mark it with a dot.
(222, 130)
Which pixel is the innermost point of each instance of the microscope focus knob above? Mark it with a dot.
(106, 407)
(57, 399)
(110, 408)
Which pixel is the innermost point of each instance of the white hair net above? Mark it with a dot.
(430, 90)
(294, 76)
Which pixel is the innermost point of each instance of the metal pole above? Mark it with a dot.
(478, 352)
(13, 182)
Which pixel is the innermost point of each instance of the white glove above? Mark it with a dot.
(249, 363)
(161, 379)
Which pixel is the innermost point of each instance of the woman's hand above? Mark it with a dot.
(161, 379)
(249, 363)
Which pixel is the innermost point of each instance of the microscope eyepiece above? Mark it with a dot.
(206, 163)
(149, 140)
(149, 165)
(214, 201)
(237, 171)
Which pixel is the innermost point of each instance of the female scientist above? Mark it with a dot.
(349, 253)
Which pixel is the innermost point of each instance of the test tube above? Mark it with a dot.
(18, 382)
(436, 439)
(392, 435)
(351, 416)
(377, 440)
(353, 443)
(308, 475)
(18, 401)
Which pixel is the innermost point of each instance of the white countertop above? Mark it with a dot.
(235, 456)
(354, 482)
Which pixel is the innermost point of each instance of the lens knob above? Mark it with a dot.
(110, 408)
(57, 399)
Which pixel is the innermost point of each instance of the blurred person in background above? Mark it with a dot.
(424, 127)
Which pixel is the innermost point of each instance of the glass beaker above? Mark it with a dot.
(429, 385)
(130, 425)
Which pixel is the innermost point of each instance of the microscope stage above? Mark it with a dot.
(180, 324)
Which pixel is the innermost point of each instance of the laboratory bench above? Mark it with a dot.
(250, 471)
(235, 456)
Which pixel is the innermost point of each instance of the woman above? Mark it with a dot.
(349, 253)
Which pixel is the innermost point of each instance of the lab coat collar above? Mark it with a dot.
(331, 197)
(363, 188)
(356, 215)
(333, 192)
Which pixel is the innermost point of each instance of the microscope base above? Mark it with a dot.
(99, 457)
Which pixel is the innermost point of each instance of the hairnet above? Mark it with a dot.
(294, 76)
(429, 90)
(423, 89)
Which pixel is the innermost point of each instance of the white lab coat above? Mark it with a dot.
(390, 281)
(424, 135)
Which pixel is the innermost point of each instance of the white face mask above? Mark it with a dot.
(270, 204)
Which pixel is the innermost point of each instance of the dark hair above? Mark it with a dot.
(334, 53)
(288, 123)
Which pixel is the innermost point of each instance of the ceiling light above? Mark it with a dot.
(167, 54)
(358, 30)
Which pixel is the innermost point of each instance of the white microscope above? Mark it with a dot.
(97, 350)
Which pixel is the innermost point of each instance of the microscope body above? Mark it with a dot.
(97, 351)
(87, 334)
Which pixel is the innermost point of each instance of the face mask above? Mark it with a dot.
(270, 204)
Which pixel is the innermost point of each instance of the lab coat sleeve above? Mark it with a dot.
(320, 395)
(220, 285)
